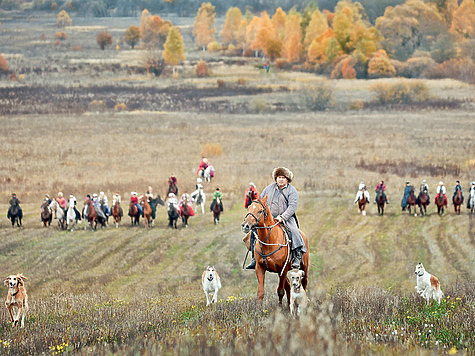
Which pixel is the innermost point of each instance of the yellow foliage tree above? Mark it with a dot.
(63, 19)
(203, 28)
(278, 22)
(132, 36)
(174, 49)
(463, 21)
(317, 25)
(380, 66)
(251, 33)
(265, 37)
(231, 28)
(292, 46)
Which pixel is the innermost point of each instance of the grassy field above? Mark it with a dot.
(137, 291)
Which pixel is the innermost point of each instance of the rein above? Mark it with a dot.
(285, 242)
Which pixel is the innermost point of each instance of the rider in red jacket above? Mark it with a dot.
(250, 195)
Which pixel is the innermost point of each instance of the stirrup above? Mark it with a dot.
(295, 263)
(251, 265)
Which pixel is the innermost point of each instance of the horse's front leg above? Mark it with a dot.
(281, 288)
(260, 273)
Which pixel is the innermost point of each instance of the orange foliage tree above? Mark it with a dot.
(266, 40)
(380, 66)
(132, 36)
(317, 25)
(104, 39)
(251, 33)
(292, 47)
(63, 19)
(278, 22)
(154, 30)
(463, 22)
(3, 65)
(203, 27)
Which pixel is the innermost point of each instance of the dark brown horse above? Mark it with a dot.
(423, 200)
(458, 201)
(217, 211)
(440, 203)
(134, 214)
(412, 202)
(380, 203)
(116, 214)
(147, 212)
(185, 209)
(46, 216)
(91, 215)
(272, 249)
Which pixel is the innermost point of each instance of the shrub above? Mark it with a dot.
(63, 19)
(202, 69)
(61, 35)
(220, 83)
(57, 43)
(211, 150)
(318, 97)
(380, 66)
(104, 39)
(97, 106)
(417, 66)
(258, 105)
(344, 69)
(3, 65)
(357, 105)
(121, 107)
(43, 37)
(282, 64)
(461, 69)
(401, 92)
(214, 46)
(241, 81)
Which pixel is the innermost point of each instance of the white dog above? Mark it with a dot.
(428, 286)
(211, 284)
(298, 296)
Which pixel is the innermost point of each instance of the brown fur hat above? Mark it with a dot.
(282, 171)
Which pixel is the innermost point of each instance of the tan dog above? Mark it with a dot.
(16, 298)
(211, 284)
(298, 296)
(428, 286)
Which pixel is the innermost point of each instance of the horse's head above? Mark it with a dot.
(257, 212)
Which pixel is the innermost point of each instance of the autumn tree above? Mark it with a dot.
(104, 39)
(463, 22)
(153, 29)
(251, 33)
(174, 49)
(3, 65)
(410, 26)
(232, 23)
(292, 46)
(63, 19)
(132, 36)
(278, 22)
(203, 27)
(380, 66)
(324, 48)
(265, 39)
(317, 25)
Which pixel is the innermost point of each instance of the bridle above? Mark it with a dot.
(285, 241)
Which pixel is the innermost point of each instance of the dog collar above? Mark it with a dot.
(420, 275)
(14, 294)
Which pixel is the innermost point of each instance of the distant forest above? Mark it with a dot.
(107, 8)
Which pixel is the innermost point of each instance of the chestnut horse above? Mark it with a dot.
(147, 212)
(46, 215)
(134, 214)
(458, 201)
(116, 214)
(216, 211)
(412, 202)
(272, 249)
(362, 204)
(440, 203)
(91, 215)
(423, 200)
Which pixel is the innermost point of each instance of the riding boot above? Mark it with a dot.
(296, 258)
(252, 265)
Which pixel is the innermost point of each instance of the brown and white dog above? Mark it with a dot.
(211, 284)
(428, 286)
(16, 298)
(298, 296)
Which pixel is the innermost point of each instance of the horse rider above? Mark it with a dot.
(407, 191)
(197, 194)
(198, 183)
(14, 201)
(48, 202)
(381, 189)
(116, 198)
(283, 199)
(203, 165)
(362, 192)
(72, 202)
(186, 199)
(172, 185)
(441, 190)
(472, 188)
(149, 194)
(172, 200)
(425, 189)
(217, 195)
(103, 199)
(61, 201)
(134, 199)
(250, 194)
(457, 187)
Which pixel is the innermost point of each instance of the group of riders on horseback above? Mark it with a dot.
(423, 190)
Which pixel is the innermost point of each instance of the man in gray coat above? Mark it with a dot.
(283, 199)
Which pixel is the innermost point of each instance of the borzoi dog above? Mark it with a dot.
(428, 286)
(211, 284)
(298, 296)
(16, 298)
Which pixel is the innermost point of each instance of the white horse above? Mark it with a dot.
(199, 197)
(71, 219)
(208, 173)
(59, 213)
(472, 201)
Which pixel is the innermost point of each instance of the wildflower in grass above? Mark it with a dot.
(453, 351)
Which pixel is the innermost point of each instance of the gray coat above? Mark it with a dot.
(278, 206)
